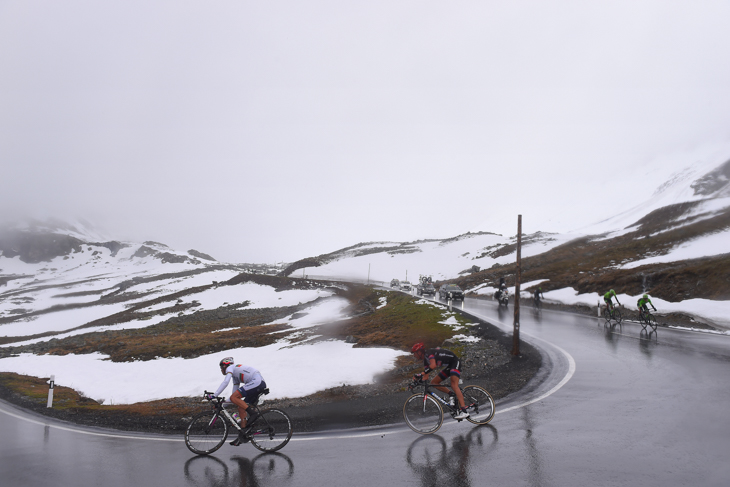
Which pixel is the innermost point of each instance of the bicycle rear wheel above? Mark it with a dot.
(479, 403)
(423, 414)
(206, 433)
(607, 316)
(271, 431)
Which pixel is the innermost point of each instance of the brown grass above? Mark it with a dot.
(588, 265)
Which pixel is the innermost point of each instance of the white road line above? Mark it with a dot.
(83, 432)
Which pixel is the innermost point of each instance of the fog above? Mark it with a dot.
(262, 132)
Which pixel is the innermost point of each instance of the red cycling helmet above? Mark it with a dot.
(418, 346)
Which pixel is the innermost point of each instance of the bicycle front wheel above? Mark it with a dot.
(423, 414)
(206, 433)
(651, 321)
(271, 431)
(479, 404)
(617, 316)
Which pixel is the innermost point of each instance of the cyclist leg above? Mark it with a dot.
(237, 399)
(438, 379)
(244, 396)
(455, 375)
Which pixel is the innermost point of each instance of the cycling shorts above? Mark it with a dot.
(449, 371)
(252, 393)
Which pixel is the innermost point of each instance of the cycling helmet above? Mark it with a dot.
(226, 362)
(418, 346)
(612, 291)
(646, 296)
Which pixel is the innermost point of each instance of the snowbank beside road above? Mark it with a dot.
(284, 369)
(714, 312)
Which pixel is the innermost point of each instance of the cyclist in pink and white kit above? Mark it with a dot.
(247, 384)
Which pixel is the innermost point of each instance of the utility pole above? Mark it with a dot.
(368, 274)
(516, 333)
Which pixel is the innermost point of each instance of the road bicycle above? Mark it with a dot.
(208, 430)
(613, 314)
(646, 319)
(424, 411)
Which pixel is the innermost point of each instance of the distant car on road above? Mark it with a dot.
(395, 283)
(405, 285)
(425, 288)
(451, 291)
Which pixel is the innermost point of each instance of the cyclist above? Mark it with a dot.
(609, 303)
(439, 357)
(538, 293)
(247, 384)
(642, 305)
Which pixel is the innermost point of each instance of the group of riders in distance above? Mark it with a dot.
(642, 305)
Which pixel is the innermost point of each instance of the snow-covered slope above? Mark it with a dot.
(59, 281)
(686, 217)
(441, 259)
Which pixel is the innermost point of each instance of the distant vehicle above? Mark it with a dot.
(405, 285)
(502, 297)
(395, 283)
(451, 291)
(425, 288)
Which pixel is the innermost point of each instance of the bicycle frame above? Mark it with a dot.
(225, 413)
(453, 409)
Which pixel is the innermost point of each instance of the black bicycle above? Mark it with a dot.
(424, 412)
(612, 315)
(208, 430)
(647, 320)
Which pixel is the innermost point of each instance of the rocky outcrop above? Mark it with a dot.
(201, 255)
(33, 248)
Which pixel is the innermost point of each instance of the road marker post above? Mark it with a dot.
(50, 391)
(516, 332)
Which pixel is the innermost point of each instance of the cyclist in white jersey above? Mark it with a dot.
(247, 384)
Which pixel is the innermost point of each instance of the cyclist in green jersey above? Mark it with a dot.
(642, 304)
(608, 299)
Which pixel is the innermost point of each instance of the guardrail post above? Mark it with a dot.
(50, 391)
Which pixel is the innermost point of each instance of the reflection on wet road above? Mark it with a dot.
(273, 469)
(436, 462)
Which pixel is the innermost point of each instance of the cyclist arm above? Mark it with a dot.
(427, 369)
(224, 384)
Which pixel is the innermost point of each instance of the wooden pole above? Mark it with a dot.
(516, 333)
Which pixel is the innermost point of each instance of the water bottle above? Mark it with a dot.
(236, 417)
(452, 399)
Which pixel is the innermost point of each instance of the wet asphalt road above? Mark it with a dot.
(614, 410)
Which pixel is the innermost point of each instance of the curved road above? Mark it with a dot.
(613, 410)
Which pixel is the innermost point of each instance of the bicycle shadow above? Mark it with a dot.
(436, 463)
(266, 469)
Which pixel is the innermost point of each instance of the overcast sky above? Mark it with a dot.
(270, 131)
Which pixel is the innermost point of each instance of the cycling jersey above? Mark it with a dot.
(241, 374)
(607, 297)
(443, 358)
(642, 302)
